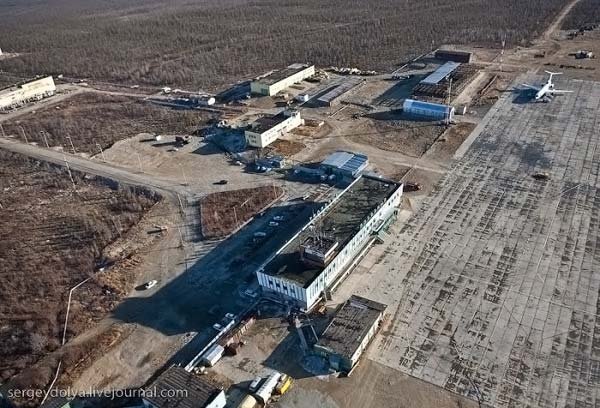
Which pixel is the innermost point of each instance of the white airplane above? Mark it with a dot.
(547, 91)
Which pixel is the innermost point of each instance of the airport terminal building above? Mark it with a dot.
(323, 252)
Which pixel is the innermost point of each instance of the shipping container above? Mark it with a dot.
(248, 402)
(213, 355)
(264, 393)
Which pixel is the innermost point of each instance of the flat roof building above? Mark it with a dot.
(176, 388)
(334, 95)
(322, 253)
(345, 164)
(277, 81)
(19, 95)
(441, 73)
(350, 332)
(267, 129)
(428, 110)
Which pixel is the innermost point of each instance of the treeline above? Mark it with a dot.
(584, 12)
(220, 42)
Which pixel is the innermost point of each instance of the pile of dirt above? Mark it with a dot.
(52, 237)
(223, 212)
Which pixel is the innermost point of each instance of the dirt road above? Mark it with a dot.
(91, 167)
(555, 26)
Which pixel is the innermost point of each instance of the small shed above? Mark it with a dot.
(345, 164)
(213, 355)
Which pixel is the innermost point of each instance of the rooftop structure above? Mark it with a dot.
(428, 110)
(346, 164)
(313, 260)
(333, 96)
(176, 388)
(267, 129)
(441, 73)
(277, 81)
(350, 331)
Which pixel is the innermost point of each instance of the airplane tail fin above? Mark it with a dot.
(553, 73)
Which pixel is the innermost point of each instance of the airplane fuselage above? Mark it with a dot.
(546, 90)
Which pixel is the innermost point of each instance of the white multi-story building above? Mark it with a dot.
(277, 81)
(267, 129)
(31, 91)
(322, 253)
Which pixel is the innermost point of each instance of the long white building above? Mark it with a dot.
(321, 254)
(19, 95)
(277, 81)
(267, 129)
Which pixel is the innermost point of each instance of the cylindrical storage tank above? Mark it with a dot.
(248, 402)
(264, 393)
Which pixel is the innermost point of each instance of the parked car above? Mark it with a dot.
(150, 284)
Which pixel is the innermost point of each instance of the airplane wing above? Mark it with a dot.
(558, 91)
(535, 88)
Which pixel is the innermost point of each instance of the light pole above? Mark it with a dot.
(71, 141)
(101, 151)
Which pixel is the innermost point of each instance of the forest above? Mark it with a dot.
(213, 43)
(585, 12)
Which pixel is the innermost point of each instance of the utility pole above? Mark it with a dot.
(71, 141)
(45, 139)
(101, 151)
(139, 161)
(185, 182)
(502, 50)
(181, 244)
(448, 102)
(23, 133)
(69, 171)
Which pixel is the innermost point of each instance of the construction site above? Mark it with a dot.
(313, 236)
